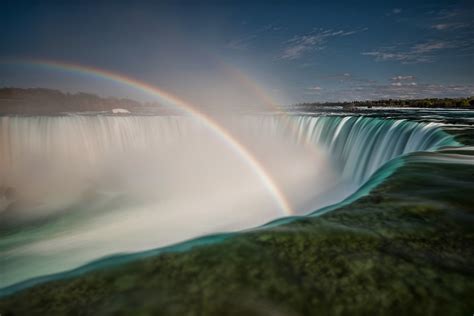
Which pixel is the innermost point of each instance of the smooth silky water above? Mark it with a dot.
(77, 188)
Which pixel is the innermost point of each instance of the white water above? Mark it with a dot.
(88, 186)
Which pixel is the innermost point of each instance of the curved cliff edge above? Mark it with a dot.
(404, 248)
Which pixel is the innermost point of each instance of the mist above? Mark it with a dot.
(89, 186)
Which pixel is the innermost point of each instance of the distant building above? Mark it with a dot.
(120, 111)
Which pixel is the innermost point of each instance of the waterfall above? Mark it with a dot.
(81, 152)
(361, 145)
(91, 186)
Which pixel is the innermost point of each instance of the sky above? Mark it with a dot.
(237, 51)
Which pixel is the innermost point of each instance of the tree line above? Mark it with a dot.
(49, 101)
(410, 103)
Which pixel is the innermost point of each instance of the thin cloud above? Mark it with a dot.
(428, 47)
(347, 79)
(316, 40)
(446, 14)
(448, 26)
(401, 84)
(241, 43)
(403, 78)
(244, 42)
(424, 52)
(394, 11)
(454, 19)
(396, 90)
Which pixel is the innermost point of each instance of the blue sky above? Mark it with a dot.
(295, 51)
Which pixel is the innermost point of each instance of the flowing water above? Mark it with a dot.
(77, 188)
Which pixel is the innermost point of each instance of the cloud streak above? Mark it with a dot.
(448, 26)
(244, 41)
(396, 87)
(424, 52)
(396, 11)
(396, 90)
(402, 78)
(316, 40)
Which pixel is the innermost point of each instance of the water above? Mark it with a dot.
(77, 188)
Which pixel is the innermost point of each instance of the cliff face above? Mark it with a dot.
(46, 101)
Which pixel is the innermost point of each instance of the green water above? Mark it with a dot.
(401, 245)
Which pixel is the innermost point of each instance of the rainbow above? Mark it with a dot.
(268, 102)
(182, 105)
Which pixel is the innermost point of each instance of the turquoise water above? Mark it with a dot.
(364, 151)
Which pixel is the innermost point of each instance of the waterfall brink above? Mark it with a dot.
(361, 145)
(76, 188)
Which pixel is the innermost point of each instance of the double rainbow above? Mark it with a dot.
(218, 130)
